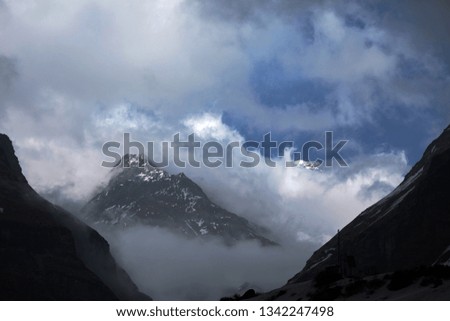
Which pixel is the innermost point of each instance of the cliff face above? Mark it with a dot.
(408, 228)
(46, 253)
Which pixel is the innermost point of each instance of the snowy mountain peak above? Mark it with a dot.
(151, 196)
(307, 165)
(132, 160)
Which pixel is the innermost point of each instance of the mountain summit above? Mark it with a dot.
(150, 196)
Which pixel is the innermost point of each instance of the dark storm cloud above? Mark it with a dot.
(252, 10)
(415, 33)
(427, 19)
(427, 22)
(426, 25)
(8, 73)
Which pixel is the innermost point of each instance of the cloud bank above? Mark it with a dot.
(168, 267)
(76, 75)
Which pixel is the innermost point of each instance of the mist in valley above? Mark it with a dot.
(170, 267)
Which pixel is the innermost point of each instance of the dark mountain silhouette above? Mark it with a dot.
(408, 230)
(150, 196)
(46, 253)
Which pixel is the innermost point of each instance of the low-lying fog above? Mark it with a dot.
(169, 267)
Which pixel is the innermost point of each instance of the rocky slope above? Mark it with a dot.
(46, 253)
(408, 229)
(150, 196)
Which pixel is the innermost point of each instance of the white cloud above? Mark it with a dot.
(89, 70)
(209, 126)
(166, 58)
(293, 200)
(286, 200)
(331, 26)
(73, 170)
